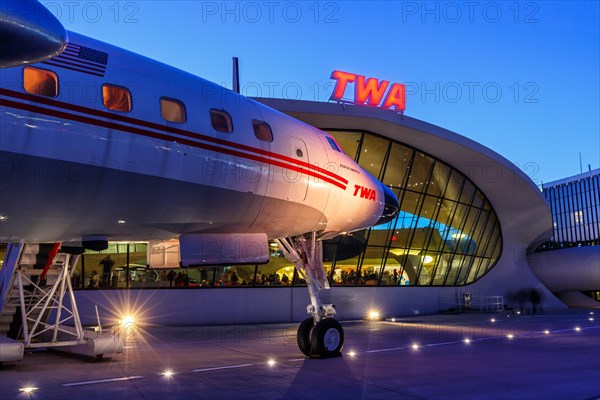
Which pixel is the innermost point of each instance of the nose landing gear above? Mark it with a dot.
(321, 335)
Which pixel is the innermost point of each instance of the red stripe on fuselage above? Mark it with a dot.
(161, 136)
(170, 129)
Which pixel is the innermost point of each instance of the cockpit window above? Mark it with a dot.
(333, 144)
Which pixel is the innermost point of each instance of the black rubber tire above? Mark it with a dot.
(321, 338)
(303, 335)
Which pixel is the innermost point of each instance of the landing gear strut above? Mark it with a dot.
(321, 335)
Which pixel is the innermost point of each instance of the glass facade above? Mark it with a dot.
(575, 207)
(446, 234)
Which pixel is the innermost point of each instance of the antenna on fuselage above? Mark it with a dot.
(236, 76)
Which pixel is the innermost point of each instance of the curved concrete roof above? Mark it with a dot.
(519, 204)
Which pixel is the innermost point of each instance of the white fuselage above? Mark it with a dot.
(70, 167)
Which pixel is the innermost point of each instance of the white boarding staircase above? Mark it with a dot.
(34, 313)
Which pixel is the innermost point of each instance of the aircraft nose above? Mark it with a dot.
(390, 209)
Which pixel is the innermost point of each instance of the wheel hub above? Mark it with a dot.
(331, 339)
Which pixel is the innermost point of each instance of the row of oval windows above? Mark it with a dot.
(116, 98)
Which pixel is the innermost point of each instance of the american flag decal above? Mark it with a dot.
(81, 59)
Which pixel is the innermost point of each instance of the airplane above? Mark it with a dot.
(98, 143)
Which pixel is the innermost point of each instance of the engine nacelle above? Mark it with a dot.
(29, 33)
(224, 249)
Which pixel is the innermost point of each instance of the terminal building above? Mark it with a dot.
(575, 206)
(569, 262)
(470, 224)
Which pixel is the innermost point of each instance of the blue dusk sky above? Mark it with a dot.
(522, 78)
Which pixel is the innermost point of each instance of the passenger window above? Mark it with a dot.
(262, 130)
(221, 120)
(172, 110)
(116, 98)
(333, 144)
(40, 81)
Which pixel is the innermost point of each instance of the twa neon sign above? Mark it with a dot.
(371, 91)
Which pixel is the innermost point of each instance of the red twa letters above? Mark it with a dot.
(369, 91)
(364, 192)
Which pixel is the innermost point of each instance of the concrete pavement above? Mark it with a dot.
(506, 356)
